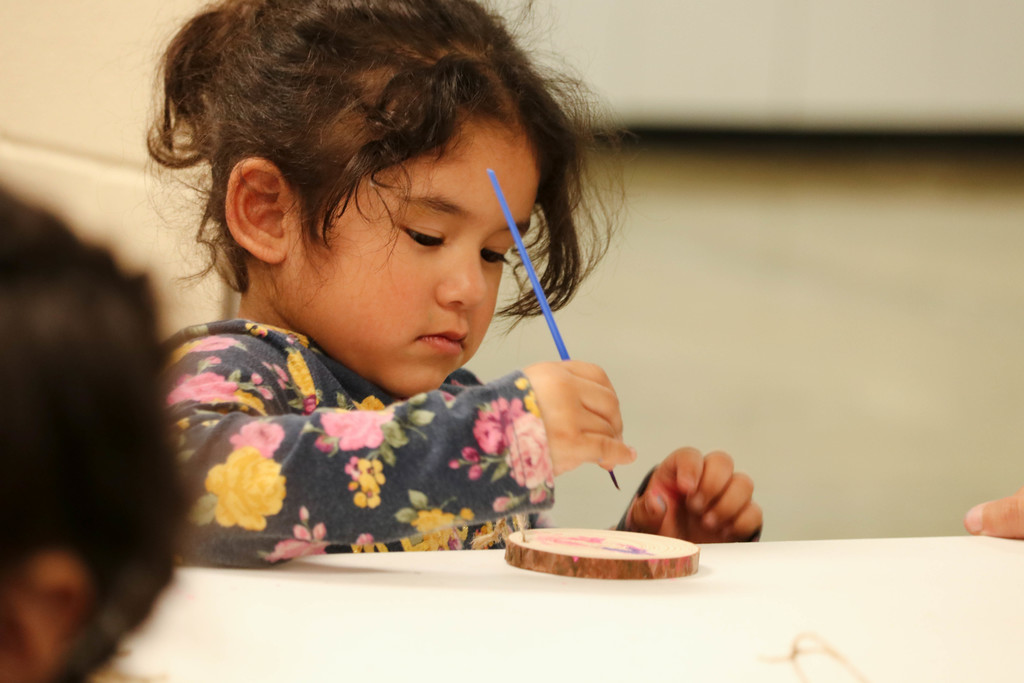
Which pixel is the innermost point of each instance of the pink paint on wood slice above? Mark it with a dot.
(601, 554)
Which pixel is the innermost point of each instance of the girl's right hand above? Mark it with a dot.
(581, 415)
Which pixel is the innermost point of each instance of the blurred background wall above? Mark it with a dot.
(820, 263)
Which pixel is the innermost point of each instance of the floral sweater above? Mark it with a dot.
(287, 453)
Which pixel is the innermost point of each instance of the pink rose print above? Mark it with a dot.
(213, 344)
(306, 542)
(206, 386)
(364, 539)
(501, 503)
(282, 376)
(357, 428)
(291, 548)
(263, 436)
(528, 452)
(489, 434)
(490, 428)
(303, 533)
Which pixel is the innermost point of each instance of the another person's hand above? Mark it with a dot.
(581, 415)
(1003, 517)
(699, 499)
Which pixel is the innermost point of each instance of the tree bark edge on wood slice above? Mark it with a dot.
(601, 554)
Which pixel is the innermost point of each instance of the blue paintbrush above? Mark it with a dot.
(538, 291)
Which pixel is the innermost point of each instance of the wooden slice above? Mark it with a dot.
(601, 554)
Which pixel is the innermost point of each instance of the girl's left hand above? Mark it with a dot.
(1003, 517)
(697, 498)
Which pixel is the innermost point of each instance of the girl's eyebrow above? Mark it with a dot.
(443, 205)
(438, 204)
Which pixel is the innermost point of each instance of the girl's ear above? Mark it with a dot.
(261, 209)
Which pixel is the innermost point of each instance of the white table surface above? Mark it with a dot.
(910, 609)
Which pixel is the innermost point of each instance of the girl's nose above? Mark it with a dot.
(463, 284)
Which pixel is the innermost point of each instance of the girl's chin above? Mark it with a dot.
(404, 390)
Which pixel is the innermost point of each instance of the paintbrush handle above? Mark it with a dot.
(531, 272)
(538, 291)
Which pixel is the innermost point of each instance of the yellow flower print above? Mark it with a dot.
(248, 488)
(366, 499)
(299, 372)
(182, 351)
(531, 403)
(247, 399)
(368, 480)
(261, 331)
(371, 402)
(301, 338)
(445, 539)
(370, 548)
(432, 520)
(466, 514)
(256, 330)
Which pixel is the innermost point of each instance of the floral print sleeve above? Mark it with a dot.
(288, 453)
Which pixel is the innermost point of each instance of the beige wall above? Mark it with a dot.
(75, 95)
(848, 326)
(891, 64)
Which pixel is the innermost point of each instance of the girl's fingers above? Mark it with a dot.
(610, 452)
(736, 497)
(569, 426)
(604, 404)
(568, 391)
(746, 526)
(581, 414)
(587, 371)
(598, 449)
(682, 470)
(1004, 518)
(718, 469)
(647, 514)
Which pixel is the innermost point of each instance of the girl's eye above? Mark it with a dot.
(488, 255)
(425, 240)
(492, 256)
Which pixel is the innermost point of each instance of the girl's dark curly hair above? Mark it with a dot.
(335, 92)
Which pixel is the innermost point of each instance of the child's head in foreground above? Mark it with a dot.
(346, 144)
(88, 496)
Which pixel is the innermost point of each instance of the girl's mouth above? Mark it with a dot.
(445, 343)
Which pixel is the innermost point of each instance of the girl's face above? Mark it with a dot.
(405, 299)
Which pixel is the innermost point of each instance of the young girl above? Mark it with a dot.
(347, 143)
